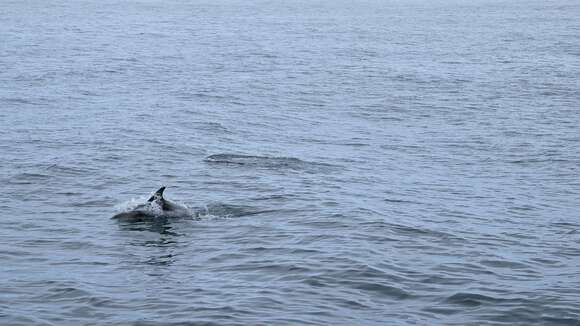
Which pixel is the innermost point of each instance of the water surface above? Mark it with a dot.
(352, 163)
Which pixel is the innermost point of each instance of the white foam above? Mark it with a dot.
(205, 214)
(130, 204)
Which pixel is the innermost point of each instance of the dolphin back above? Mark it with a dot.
(133, 216)
(155, 207)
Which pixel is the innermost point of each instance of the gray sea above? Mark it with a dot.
(356, 162)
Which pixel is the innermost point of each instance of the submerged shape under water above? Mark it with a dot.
(346, 163)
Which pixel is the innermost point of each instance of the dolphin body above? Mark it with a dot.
(155, 207)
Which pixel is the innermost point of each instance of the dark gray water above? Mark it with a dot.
(352, 162)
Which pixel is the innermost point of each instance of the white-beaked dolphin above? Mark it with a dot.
(155, 207)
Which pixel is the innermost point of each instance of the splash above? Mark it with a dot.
(206, 213)
(140, 203)
(130, 204)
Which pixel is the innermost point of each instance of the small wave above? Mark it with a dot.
(218, 210)
(17, 100)
(381, 290)
(91, 203)
(504, 264)
(537, 161)
(270, 162)
(66, 170)
(44, 173)
(214, 127)
(19, 320)
(473, 299)
(399, 201)
(65, 293)
(252, 160)
(28, 178)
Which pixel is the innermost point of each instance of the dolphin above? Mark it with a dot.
(155, 207)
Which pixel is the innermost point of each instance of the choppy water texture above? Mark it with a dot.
(352, 162)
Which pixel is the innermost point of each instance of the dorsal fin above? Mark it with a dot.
(157, 195)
